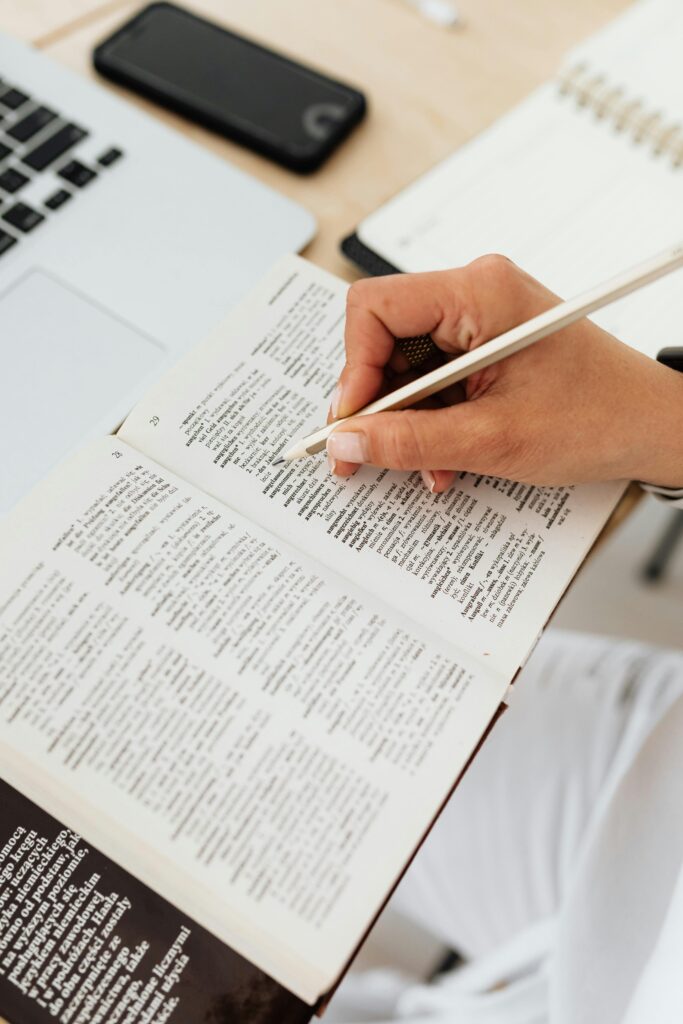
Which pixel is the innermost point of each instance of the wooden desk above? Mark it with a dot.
(429, 89)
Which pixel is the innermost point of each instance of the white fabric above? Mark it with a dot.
(659, 995)
(555, 863)
(620, 896)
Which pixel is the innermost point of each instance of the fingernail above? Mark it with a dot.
(332, 462)
(347, 446)
(334, 402)
(428, 479)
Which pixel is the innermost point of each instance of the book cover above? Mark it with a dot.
(83, 942)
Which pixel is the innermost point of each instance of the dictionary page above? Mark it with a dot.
(246, 732)
(483, 565)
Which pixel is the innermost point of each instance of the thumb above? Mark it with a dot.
(450, 438)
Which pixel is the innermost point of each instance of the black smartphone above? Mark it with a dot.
(286, 111)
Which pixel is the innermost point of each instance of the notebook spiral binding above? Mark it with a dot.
(627, 114)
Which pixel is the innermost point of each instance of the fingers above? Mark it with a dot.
(437, 480)
(459, 308)
(451, 438)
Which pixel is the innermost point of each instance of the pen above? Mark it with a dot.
(490, 352)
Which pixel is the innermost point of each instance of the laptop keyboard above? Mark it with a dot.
(39, 172)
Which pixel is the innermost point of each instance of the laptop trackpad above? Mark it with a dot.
(68, 371)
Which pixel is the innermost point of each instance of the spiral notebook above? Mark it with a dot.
(580, 180)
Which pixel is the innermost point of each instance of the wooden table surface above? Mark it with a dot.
(429, 89)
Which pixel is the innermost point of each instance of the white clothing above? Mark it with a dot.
(554, 868)
(623, 899)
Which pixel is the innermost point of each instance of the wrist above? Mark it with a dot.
(660, 447)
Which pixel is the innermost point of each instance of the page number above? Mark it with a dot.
(154, 422)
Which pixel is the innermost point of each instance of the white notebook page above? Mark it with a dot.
(559, 190)
(641, 52)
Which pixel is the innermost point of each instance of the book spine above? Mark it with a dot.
(644, 124)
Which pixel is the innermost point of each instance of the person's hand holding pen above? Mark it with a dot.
(579, 406)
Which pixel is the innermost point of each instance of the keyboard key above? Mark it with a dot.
(4, 151)
(110, 157)
(23, 217)
(13, 99)
(12, 180)
(6, 241)
(48, 151)
(76, 173)
(58, 199)
(24, 130)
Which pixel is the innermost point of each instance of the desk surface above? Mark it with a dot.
(429, 89)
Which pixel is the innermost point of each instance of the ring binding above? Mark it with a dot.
(628, 114)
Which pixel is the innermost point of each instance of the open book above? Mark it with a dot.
(583, 178)
(253, 687)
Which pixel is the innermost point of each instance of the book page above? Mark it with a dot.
(483, 565)
(244, 731)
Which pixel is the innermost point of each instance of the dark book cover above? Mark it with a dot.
(366, 259)
(84, 942)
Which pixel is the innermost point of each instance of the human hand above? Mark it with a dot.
(579, 405)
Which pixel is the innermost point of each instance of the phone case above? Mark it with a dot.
(303, 159)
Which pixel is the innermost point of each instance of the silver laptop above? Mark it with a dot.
(121, 244)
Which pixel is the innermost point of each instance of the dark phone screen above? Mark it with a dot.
(229, 78)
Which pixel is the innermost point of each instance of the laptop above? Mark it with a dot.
(121, 245)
